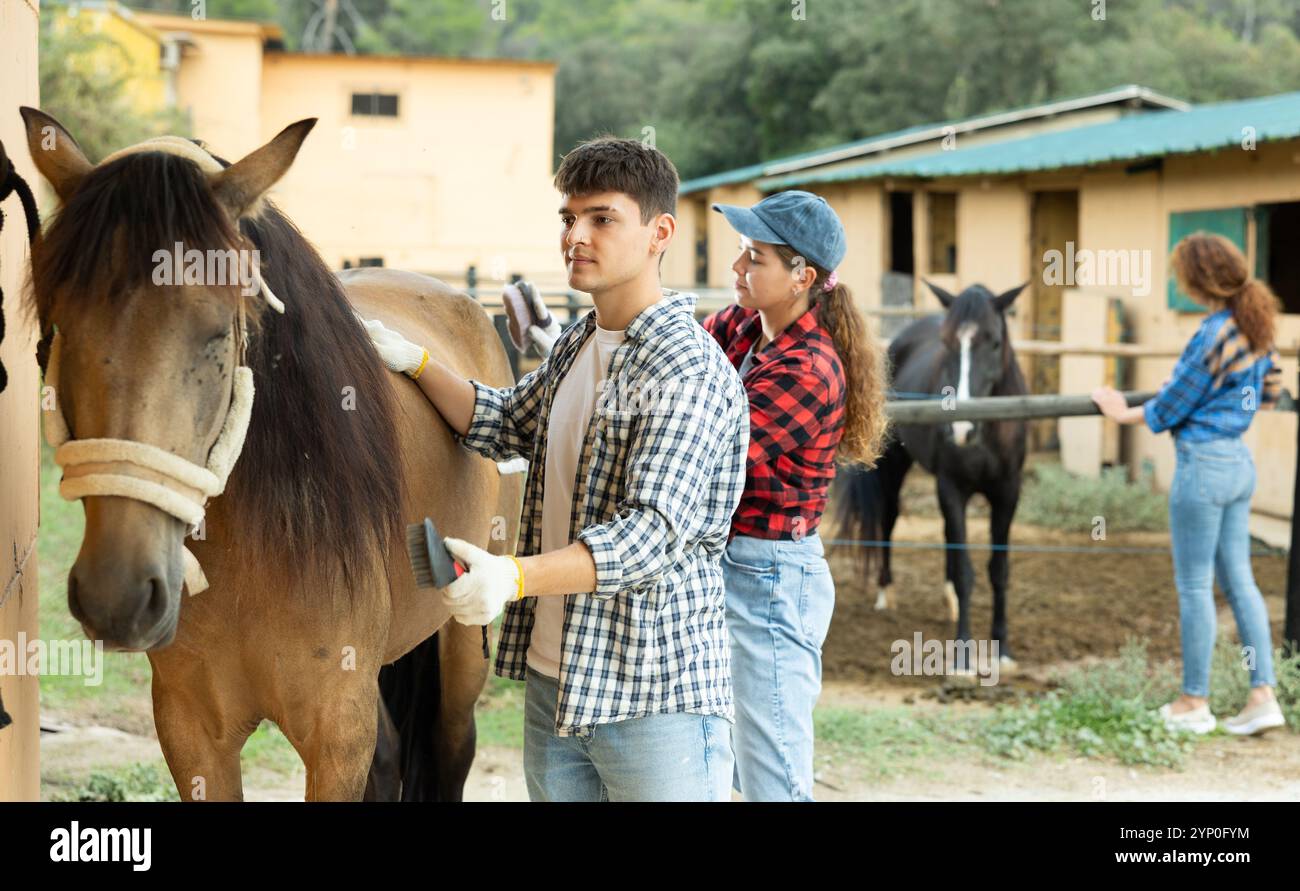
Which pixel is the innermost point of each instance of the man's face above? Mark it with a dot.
(603, 240)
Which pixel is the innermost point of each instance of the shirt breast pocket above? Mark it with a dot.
(613, 432)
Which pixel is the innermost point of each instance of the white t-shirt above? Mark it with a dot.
(575, 401)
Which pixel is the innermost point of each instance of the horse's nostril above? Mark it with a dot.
(157, 597)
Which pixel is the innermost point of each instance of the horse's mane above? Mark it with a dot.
(320, 478)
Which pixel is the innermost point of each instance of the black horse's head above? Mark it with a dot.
(977, 358)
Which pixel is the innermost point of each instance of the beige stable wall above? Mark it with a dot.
(220, 85)
(678, 269)
(993, 240)
(462, 175)
(724, 243)
(861, 208)
(19, 404)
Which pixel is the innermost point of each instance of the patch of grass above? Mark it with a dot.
(1101, 710)
(136, 782)
(1055, 498)
(268, 749)
(499, 713)
(1230, 682)
(884, 742)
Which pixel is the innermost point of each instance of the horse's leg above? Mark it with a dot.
(960, 576)
(201, 737)
(462, 671)
(893, 468)
(384, 782)
(1003, 501)
(336, 737)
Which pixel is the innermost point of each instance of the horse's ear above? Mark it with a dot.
(1006, 298)
(54, 152)
(241, 185)
(944, 297)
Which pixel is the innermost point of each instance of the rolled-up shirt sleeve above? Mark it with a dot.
(1188, 385)
(505, 420)
(675, 447)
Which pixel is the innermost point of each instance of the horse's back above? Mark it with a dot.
(450, 324)
(464, 493)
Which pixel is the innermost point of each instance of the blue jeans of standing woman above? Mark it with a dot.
(1209, 513)
(780, 597)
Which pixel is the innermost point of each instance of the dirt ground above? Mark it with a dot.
(1061, 607)
(1221, 769)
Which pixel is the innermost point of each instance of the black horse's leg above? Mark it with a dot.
(960, 576)
(893, 468)
(1003, 501)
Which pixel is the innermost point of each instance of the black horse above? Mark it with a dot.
(965, 353)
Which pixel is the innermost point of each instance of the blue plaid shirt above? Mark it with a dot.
(661, 472)
(1217, 385)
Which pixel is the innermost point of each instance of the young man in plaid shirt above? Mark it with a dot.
(636, 428)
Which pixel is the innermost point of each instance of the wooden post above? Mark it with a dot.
(998, 408)
(1291, 624)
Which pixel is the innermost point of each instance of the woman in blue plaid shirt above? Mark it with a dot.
(1227, 372)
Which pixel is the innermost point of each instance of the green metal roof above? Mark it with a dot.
(1154, 134)
(925, 132)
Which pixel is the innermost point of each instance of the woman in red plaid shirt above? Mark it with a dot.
(816, 380)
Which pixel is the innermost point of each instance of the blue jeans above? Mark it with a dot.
(672, 756)
(780, 597)
(1209, 513)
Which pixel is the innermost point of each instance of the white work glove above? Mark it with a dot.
(398, 353)
(489, 583)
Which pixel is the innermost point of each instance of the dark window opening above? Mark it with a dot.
(943, 232)
(901, 258)
(379, 104)
(370, 261)
(1277, 231)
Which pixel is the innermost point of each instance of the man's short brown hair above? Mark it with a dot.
(611, 164)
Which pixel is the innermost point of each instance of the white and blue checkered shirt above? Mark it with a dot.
(661, 472)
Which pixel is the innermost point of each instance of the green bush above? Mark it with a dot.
(1056, 498)
(139, 782)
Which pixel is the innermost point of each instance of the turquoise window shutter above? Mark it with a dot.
(1230, 222)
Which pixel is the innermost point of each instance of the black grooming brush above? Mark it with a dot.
(431, 562)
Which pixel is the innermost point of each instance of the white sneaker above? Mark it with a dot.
(1198, 720)
(1256, 719)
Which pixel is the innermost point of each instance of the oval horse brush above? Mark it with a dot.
(519, 315)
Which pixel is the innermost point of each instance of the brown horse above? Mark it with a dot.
(310, 589)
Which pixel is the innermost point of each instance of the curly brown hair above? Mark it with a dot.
(866, 372)
(1209, 268)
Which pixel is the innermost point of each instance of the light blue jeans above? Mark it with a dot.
(1209, 513)
(780, 597)
(673, 756)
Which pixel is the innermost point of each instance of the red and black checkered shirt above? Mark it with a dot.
(796, 396)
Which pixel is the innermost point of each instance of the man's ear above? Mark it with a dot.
(241, 185)
(54, 152)
(665, 227)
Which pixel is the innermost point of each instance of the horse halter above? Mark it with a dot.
(129, 469)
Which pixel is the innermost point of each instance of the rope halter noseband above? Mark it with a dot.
(129, 469)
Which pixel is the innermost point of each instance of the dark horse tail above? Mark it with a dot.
(857, 510)
(406, 755)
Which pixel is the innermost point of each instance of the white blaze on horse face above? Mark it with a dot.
(961, 429)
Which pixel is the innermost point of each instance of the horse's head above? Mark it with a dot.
(144, 274)
(977, 345)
